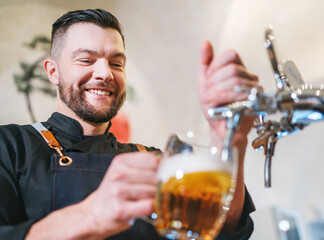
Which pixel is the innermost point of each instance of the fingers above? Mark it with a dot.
(132, 174)
(229, 62)
(221, 76)
(208, 64)
(139, 160)
(205, 57)
(134, 192)
(134, 209)
(229, 57)
(133, 168)
(234, 75)
(225, 92)
(126, 192)
(131, 177)
(230, 70)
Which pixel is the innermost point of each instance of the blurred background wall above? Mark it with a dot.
(162, 44)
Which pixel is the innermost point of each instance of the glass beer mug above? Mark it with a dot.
(195, 188)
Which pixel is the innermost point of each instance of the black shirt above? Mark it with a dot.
(25, 173)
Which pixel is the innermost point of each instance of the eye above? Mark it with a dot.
(86, 61)
(117, 64)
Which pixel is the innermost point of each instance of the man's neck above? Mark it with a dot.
(93, 129)
(89, 129)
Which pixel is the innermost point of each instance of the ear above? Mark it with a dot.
(51, 69)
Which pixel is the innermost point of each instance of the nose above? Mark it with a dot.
(102, 71)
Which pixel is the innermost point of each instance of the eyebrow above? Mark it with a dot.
(75, 53)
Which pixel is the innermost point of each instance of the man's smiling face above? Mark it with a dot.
(91, 67)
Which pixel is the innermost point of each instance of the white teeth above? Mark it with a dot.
(100, 92)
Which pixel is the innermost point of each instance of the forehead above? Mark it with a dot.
(93, 37)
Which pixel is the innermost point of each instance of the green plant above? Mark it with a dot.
(33, 77)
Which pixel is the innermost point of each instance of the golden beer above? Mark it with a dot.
(193, 203)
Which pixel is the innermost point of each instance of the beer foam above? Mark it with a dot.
(179, 164)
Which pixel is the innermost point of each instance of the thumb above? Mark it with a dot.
(205, 57)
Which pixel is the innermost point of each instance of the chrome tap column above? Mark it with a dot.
(298, 103)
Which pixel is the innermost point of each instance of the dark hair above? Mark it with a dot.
(98, 17)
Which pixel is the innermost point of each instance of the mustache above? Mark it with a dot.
(99, 85)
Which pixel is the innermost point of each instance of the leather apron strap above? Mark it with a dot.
(141, 148)
(52, 143)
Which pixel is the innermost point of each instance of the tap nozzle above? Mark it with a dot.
(267, 165)
(267, 140)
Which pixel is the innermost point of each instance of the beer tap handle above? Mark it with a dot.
(272, 140)
(232, 124)
(233, 116)
(265, 131)
(267, 140)
(271, 46)
(261, 142)
(293, 75)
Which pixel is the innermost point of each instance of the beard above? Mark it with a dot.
(75, 100)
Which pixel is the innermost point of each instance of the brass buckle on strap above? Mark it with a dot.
(54, 144)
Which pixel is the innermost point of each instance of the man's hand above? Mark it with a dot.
(126, 192)
(218, 77)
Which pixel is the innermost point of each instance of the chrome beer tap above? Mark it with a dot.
(298, 103)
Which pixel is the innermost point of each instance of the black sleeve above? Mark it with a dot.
(246, 227)
(15, 232)
(13, 221)
(11, 210)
